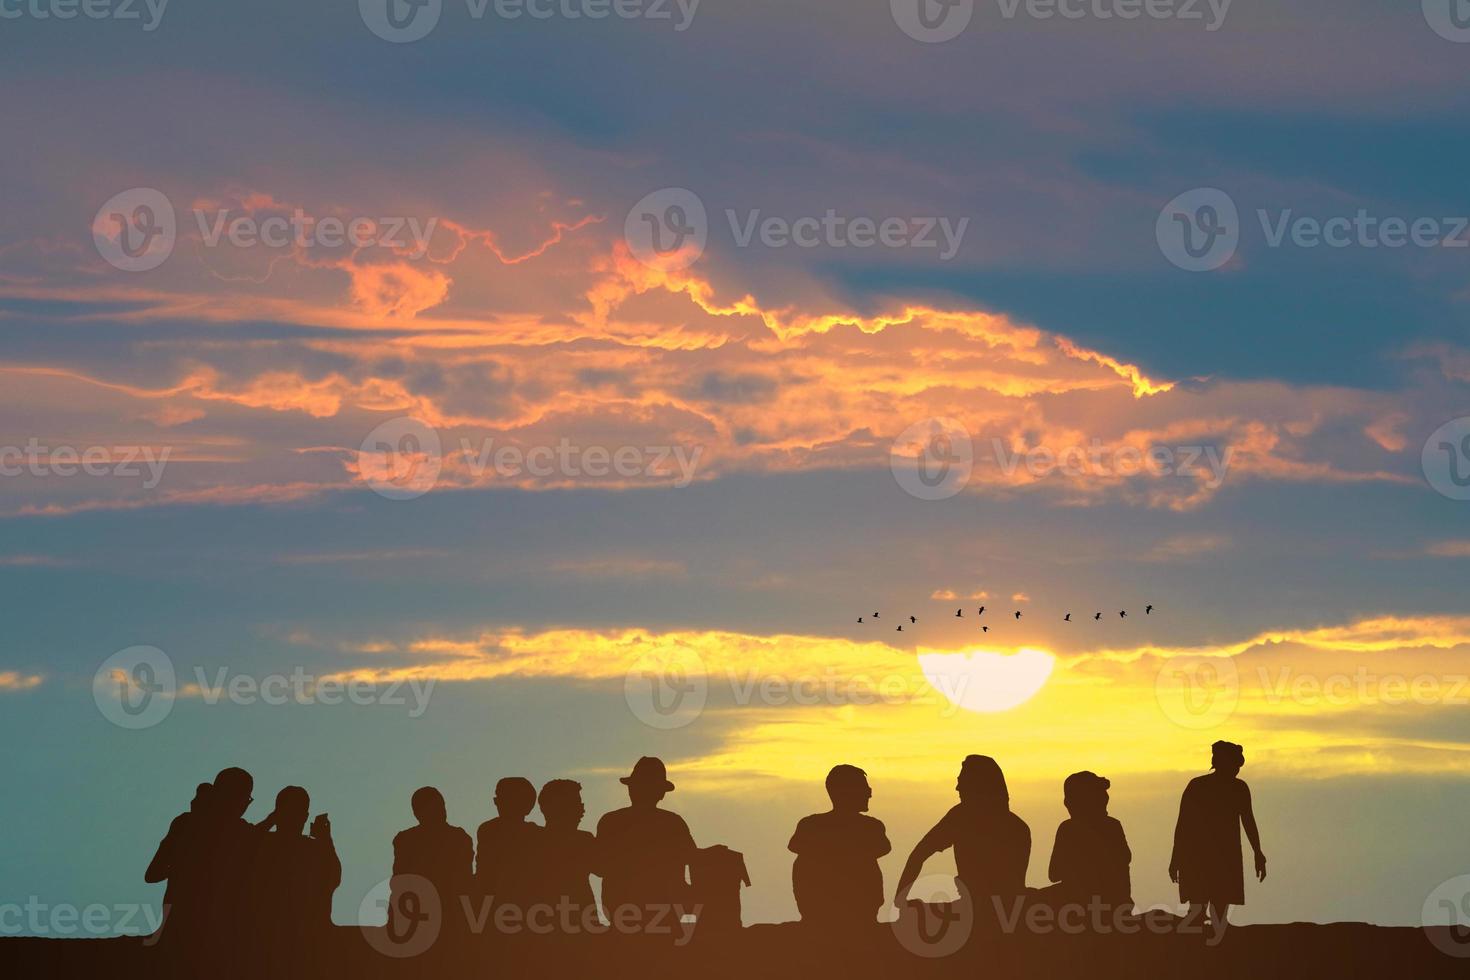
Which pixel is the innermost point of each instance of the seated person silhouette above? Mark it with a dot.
(992, 846)
(294, 874)
(432, 856)
(644, 852)
(836, 877)
(505, 845)
(172, 863)
(1206, 863)
(223, 855)
(1090, 858)
(566, 855)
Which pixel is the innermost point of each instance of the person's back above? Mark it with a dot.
(643, 850)
(835, 876)
(441, 854)
(1090, 860)
(991, 850)
(507, 845)
(293, 878)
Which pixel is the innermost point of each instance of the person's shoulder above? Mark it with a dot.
(671, 818)
(488, 827)
(613, 818)
(871, 823)
(1018, 825)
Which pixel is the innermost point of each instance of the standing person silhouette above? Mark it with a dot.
(176, 862)
(1090, 858)
(992, 846)
(432, 851)
(292, 882)
(835, 876)
(1206, 863)
(506, 845)
(566, 855)
(644, 851)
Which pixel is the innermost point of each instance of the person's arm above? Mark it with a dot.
(1252, 834)
(162, 864)
(881, 845)
(1056, 868)
(1179, 822)
(798, 841)
(937, 839)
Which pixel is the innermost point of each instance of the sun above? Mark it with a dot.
(985, 681)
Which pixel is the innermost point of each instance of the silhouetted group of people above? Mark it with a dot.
(274, 880)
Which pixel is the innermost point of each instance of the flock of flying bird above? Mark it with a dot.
(959, 614)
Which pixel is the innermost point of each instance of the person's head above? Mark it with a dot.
(200, 802)
(648, 783)
(1227, 757)
(231, 793)
(847, 787)
(561, 803)
(292, 808)
(1085, 794)
(981, 782)
(514, 797)
(428, 807)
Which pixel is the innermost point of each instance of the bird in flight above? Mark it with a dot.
(1122, 614)
(1018, 614)
(860, 619)
(981, 612)
(1096, 616)
(900, 628)
(959, 612)
(912, 619)
(985, 629)
(875, 615)
(1148, 609)
(1067, 618)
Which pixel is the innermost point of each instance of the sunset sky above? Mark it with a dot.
(1309, 580)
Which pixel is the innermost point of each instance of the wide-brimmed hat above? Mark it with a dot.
(649, 770)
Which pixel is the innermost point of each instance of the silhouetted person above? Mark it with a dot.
(643, 851)
(506, 845)
(566, 854)
(836, 877)
(716, 875)
(1207, 859)
(178, 862)
(1090, 858)
(229, 842)
(292, 882)
(435, 852)
(992, 846)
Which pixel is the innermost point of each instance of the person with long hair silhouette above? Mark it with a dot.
(1090, 858)
(992, 846)
(644, 851)
(432, 851)
(836, 877)
(506, 845)
(1207, 861)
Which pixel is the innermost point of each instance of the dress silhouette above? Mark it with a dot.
(1206, 862)
(507, 846)
(835, 876)
(566, 855)
(643, 851)
(1090, 858)
(992, 846)
(432, 851)
(292, 881)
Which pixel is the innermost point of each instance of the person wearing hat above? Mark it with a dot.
(644, 851)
